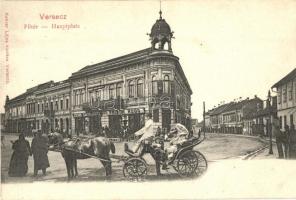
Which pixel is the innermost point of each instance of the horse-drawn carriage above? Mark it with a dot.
(186, 161)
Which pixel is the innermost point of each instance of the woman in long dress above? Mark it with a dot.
(18, 165)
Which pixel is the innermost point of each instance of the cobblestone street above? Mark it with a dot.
(216, 147)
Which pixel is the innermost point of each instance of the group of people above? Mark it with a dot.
(285, 140)
(22, 149)
(178, 134)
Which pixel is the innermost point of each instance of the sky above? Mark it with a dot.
(227, 49)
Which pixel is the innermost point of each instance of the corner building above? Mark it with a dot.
(117, 93)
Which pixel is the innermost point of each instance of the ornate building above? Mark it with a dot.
(115, 93)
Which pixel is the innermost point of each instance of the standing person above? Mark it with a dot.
(2, 141)
(158, 131)
(39, 150)
(286, 140)
(278, 136)
(18, 165)
(292, 142)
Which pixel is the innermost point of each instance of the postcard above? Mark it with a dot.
(155, 99)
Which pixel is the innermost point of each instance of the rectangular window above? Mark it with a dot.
(166, 86)
(291, 120)
(81, 98)
(42, 108)
(99, 95)
(290, 92)
(119, 90)
(140, 89)
(56, 105)
(154, 88)
(38, 108)
(285, 121)
(62, 104)
(67, 103)
(284, 95)
(280, 96)
(281, 122)
(112, 92)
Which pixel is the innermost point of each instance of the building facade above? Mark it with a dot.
(286, 99)
(233, 117)
(113, 94)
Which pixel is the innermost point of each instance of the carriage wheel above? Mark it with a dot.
(135, 169)
(202, 164)
(187, 164)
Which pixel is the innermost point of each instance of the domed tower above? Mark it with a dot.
(160, 34)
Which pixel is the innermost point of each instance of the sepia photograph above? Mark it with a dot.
(148, 99)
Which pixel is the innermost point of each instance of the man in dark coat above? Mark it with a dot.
(39, 150)
(18, 165)
(278, 136)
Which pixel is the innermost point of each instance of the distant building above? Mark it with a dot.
(233, 117)
(286, 99)
(261, 118)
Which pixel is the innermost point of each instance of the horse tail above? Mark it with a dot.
(112, 147)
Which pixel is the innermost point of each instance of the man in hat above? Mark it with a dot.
(39, 149)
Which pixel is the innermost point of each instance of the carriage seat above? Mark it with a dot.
(190, 141)
(128, 151)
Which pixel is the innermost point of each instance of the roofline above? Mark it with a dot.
(108, 63)
(285, 79)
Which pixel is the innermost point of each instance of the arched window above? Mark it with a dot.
(166, 85)
(154, 86)
(131, 89)
(111, 92)
(140, 88)
(119, 90)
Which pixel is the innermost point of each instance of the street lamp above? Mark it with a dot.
(269, 124)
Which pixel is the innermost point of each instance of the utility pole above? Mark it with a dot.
(204, 116)
(269, 124)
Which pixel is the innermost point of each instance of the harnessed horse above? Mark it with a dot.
(78, 148)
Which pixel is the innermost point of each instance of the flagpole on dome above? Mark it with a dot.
(160, 12)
